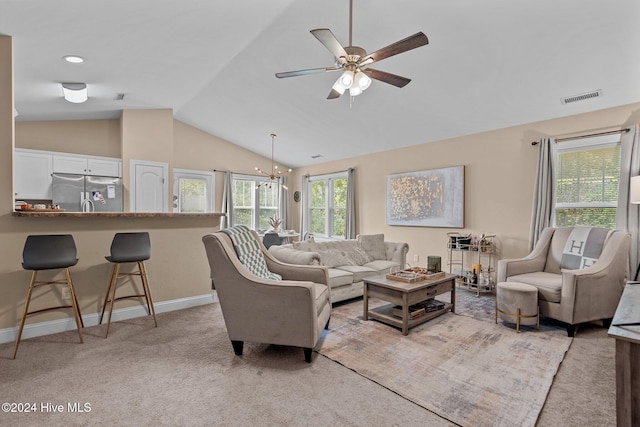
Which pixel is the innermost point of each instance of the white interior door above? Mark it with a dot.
(149, 186)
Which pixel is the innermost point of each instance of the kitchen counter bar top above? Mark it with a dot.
(115, 214)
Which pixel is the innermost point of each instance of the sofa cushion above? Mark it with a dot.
(306, 245)
(339, 278)
(335, 258)
(549, 284)
(381, 266)
(359, 272)
(373, 244)
(341, 245)
(359, 256)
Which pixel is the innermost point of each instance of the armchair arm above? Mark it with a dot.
(312, 273)
(594, 292)
(533, 262)
(397, 252)
(294, 256)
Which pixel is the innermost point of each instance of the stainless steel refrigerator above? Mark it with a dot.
(87, 193)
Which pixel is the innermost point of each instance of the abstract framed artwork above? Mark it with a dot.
(429, 198)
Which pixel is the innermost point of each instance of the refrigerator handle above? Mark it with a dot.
(87, 204)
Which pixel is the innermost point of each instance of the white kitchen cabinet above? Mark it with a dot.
(104, 167)
(32, 174)
(83, 165)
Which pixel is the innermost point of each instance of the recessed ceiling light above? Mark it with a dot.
(74, 59)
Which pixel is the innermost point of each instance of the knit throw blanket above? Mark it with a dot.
(249, 253)
(583, 247)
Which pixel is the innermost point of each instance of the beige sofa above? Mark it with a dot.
(573, 295)
(349, 261)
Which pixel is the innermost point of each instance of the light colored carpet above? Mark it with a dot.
(184, 373)
(471, 372)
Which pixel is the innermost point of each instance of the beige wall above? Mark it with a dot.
(89, 137)
(499, 179)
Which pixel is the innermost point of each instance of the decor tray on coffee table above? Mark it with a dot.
(405, 295)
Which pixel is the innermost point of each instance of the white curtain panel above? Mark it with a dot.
(305, 221)
(628, 217)
(350, 232)
(543, 192)
(227, 202)
(283, 201)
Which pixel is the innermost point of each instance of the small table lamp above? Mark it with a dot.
(634, 197)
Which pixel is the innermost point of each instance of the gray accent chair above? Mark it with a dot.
(291, 312)
(572, 296)
(271, 238)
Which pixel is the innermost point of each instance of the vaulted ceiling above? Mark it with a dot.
(489, 64)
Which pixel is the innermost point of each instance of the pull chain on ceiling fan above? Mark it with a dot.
(354, 61)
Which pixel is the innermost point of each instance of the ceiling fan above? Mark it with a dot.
(354, 61)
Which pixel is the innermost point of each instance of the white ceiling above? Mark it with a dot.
(490, 64)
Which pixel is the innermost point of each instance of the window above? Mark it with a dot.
(253, 203)
(328, 205)
(192, 191)
(587, 173)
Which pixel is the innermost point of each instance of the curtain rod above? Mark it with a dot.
(571, 138)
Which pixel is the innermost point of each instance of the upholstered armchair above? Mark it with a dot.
(574, 285)
(256, 304)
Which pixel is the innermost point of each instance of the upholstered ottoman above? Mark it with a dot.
(517, 303)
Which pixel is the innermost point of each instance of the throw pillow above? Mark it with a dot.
(359, 256)
(373, 244)
(334, 258)
(306, 245)
(248, 251)
(583, 247)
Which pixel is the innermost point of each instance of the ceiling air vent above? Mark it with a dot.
(584, 96)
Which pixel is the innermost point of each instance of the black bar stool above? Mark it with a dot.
(129, 247)
(49, 252)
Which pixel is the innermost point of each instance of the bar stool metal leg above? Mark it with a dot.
(128, 248)
(49, 252)
(74, 305)
(74, 302)
(24, 313)
(145, 283)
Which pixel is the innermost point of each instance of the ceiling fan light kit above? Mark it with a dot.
(354, 61)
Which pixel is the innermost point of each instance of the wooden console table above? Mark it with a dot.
(626, 330)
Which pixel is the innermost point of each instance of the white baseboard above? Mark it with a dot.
(60, 325)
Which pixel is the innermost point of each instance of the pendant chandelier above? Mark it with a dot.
(274, 176)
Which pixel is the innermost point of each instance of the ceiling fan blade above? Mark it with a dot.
(326, 37)
(334, 94)
(389, 78)
(305, 72)
(411, 42)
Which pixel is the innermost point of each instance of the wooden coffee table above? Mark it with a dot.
(405, 295)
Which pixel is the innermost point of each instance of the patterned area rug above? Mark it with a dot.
(460, 366)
